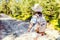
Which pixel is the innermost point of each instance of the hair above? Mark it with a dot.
(40, 13)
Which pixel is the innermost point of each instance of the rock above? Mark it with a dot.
(17, 30)
(13, 26)
(26, 36)
(9, 37)
(58, 38)
(5, 17)
(53, 33)
(31, 36)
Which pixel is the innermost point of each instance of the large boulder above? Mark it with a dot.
(32, 36)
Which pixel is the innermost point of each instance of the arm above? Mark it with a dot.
(44, 23)
(33, 20)
(30, 26)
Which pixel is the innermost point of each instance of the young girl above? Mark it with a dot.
(38, 22)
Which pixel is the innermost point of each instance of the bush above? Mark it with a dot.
(21, 9)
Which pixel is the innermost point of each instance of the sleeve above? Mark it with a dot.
(44, 23)
(33, 20)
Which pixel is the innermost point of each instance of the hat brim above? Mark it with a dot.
(37, 8)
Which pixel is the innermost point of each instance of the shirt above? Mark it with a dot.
(41, 20)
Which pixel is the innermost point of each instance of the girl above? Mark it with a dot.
(38, 22)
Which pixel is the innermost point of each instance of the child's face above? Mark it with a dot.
(37, 15)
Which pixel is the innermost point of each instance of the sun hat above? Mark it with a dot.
(37, 8)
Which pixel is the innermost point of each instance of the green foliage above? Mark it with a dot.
(51, 9)
(58, 23)
(21, 9)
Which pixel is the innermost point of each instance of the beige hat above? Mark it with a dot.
(37, 8)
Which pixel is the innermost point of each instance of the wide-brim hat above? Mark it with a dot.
(37, 8)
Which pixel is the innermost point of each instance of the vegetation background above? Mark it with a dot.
(21, 10)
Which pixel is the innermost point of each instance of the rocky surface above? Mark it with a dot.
(5, 17)
(14, 27)
(17, 30)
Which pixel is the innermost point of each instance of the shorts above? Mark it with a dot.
(40, 28)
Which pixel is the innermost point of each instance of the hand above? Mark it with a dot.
(28, 30)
